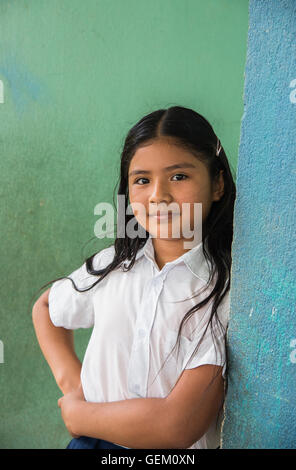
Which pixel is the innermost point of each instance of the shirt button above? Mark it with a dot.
(136, 387)
(142, 333)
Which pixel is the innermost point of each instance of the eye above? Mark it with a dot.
(180, 174)
(136, 181)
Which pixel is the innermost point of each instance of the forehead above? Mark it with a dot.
(161, 154)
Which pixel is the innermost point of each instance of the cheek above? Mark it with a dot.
(137, 203)
(199, 206)
(132, 194)
(136, 196)
(134, 190)
(189, 197)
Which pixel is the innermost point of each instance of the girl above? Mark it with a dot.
(145, 295)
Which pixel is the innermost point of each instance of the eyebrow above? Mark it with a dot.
(168, 168)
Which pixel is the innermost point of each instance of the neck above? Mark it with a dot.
(167, 250)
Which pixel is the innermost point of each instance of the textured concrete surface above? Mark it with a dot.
(260, 407)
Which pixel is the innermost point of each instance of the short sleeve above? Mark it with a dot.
(69, 308)
(211, 349)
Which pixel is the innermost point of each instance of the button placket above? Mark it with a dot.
(139, 359)
(157, 286)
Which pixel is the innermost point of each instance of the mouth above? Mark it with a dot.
(162, 216)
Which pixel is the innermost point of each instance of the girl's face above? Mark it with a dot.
(155, 185)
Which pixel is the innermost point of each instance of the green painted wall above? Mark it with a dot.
(76, 76)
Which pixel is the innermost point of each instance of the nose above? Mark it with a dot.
(159, 193)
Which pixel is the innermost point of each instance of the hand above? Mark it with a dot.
(68, 404)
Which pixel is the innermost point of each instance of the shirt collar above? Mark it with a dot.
(194, 259)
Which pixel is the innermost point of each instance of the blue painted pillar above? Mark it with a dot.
(261, 400)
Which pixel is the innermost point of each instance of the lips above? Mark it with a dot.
(160, 214)
(163, 216)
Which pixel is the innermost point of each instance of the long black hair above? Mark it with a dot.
(191, 131)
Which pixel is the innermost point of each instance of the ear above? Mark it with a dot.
(218, 186)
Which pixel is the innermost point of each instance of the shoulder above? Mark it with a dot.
(82, 277)
(221, 317)
(103, 258)
(223, 308)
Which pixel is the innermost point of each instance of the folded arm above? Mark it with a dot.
(176, 421)
(57, 346)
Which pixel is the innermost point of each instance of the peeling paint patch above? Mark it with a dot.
(293, 353)
(24, 87)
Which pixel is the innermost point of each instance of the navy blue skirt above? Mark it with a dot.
(84, 442)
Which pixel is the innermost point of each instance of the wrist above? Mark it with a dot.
(77, 415)
(69, 382)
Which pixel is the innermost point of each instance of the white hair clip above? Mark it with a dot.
(218, 148)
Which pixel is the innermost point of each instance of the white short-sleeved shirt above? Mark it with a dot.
(135, 317)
